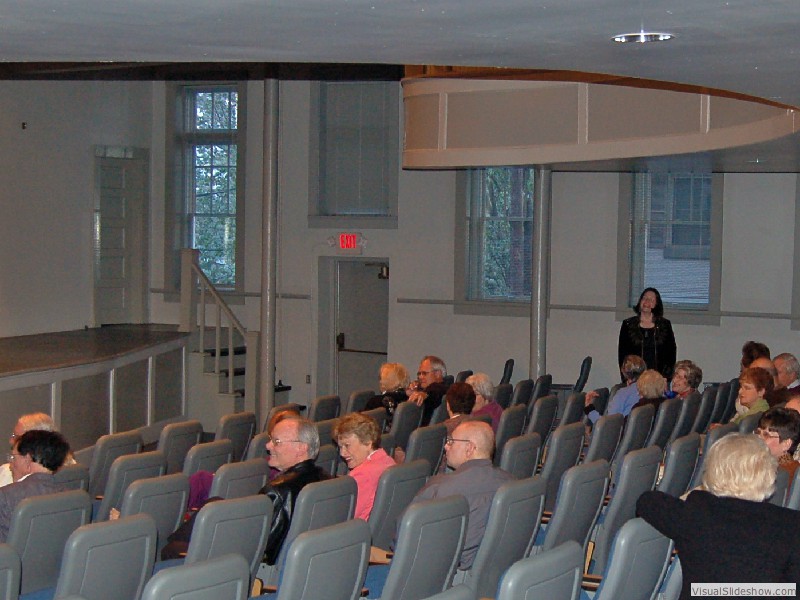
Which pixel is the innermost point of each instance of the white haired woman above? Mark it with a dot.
(725, 532)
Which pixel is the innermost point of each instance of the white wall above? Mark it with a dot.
(46, 279)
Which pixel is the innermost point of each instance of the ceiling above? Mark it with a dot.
(746, 46)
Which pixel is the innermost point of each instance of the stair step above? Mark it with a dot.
(237, 350)
(238, 371)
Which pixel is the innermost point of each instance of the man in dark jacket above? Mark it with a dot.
(293, 446)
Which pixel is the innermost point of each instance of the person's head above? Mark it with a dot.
(394, 376)
(431, 370)
(649, 302)
(739, 465)
(34, 421)
(357, 436)
(38, 451)
(793, 403)
(460, 399)
(483, 387)
(632, 367)
(651, 384)
(292, 441)
(762, 362)
(280, 415)
(754, 382)
(780, 430)
(470, 440)
(753, 350)
(788, 369)
(686, 377)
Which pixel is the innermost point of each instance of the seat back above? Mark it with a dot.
(503, 393)
(523, 392)
(427, 443)
(113, 559)
(508, 370)
(680, 462)
(686, 416)
(257, 447)
(328, 458)
(749, 423)
(637, 563)
(705, 409)
(325, 430)
(9, 573)
(573, 409)
(73, 477)
(664, 424)
(329, 562)
(583, 375)
(521, 455)
(40, 526)
(406, 419)
(429, 544)
(778, 497)
(605, 438)
(324, 407)
(555, 574)
(439, 414)
(542, 387)
(720, 403)
(793, 495)
(239, 525)
(510, 530)
(580, 497)
(541, 416)
(108, 449)
(223, 578)
(730, 405)
(511, 424)
(239, 428)
(635, 432)
(601, 400)
(357, 401)
(163, 498)
(563, 453)
(711, 437)
(637, 475)
(379, 414)
(175, 441)
(124, 471)
(237, 480)
(397, 486)
(461, 376)
(208, 456)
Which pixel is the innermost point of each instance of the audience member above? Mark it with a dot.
(460, 399)
(293, 446)
(686, 378)
(648, 334)
(429, 388)
(484, 398)
(39, 421)
(751, 351)
(35, 457)
(780, 430)
(787, 378)
(651, 386)
(762, 362)
(359, 438)
(393, 383)
(726, 533)
(626, 397)
(753, 385)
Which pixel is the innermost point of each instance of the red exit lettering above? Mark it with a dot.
(348, 241)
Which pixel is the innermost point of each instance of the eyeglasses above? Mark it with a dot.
(11, 457)
(449, 441)
(278, 441)
(766, 433)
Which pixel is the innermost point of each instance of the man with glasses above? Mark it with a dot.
(429, 388)
(33, 421)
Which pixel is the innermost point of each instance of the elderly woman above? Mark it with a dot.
(359, 437)
(393, 383)
(686, 378)
(780, 430)
(484, 398)
(725, 532)
(460, 399)
(754, 383)
(651, 386)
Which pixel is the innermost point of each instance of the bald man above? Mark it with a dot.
(469, 452)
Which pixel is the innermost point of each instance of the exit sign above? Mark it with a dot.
(349, 242)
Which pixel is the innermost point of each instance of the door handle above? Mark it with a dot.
(340, 341)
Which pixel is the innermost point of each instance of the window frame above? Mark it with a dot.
(682, 314)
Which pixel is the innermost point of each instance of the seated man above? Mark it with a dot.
(40, 421)
(36, 456)
(293, 446)
(787, 378)
(429, 388)
(625, 398)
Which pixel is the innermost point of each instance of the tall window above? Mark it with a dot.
(671, 242)
(499, 226)
(208, 176)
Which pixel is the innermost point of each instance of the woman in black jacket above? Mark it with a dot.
(649, 335)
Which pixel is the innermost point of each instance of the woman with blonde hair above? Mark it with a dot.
(725, 531)
(393, 383)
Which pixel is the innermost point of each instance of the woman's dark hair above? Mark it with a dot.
(753, 350)
(460, 398)
(658, 310)
(47, 448)
(783, 421)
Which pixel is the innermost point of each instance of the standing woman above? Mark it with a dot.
(649, 334)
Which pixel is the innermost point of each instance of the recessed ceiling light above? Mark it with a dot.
(643, 37)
